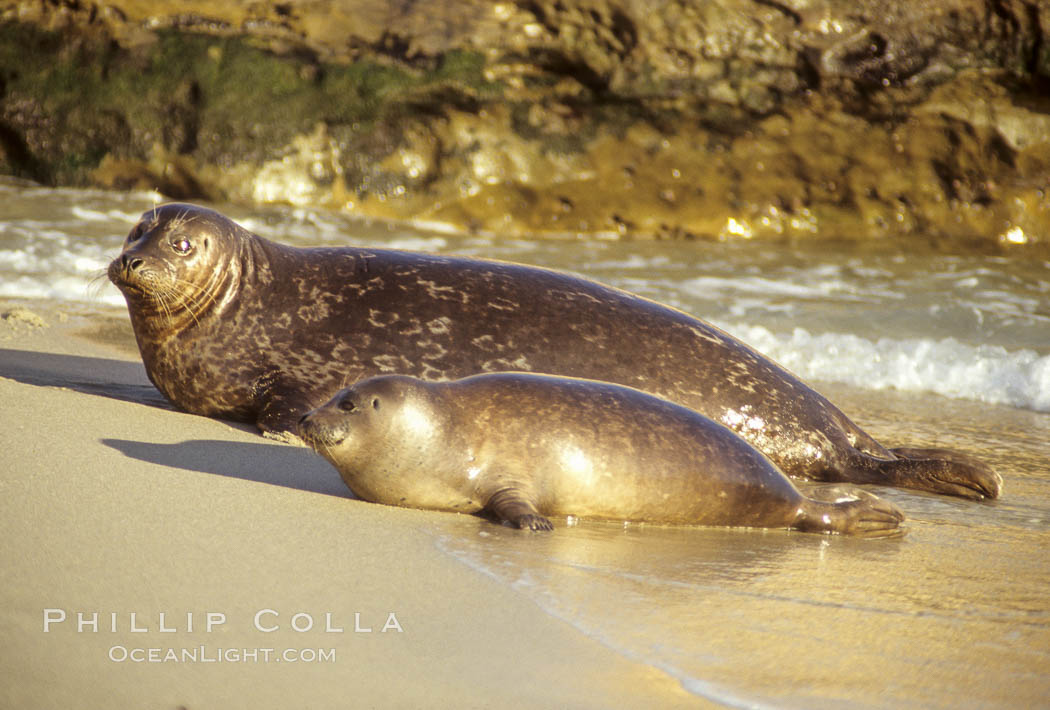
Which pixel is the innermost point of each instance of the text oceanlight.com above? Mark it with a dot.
(203, 654)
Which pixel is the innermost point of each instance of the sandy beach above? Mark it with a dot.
(157, 559)
(114, 504)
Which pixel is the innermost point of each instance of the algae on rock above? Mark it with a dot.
(731, 119)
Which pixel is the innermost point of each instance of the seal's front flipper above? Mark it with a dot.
(848, 511)
(281, 424)
(279, 421)
(510, 505)
(280, 408)
(937, 471)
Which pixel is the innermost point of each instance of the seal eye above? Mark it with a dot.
(375, 404)
(347, 405)
(136, 234)
(181, 246)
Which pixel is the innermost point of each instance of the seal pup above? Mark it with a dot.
(524, 446)
(233, 325)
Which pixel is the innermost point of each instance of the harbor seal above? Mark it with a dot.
(232, 325)
(524, 446)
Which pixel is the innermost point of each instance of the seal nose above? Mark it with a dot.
(131, 263)
(303, 425)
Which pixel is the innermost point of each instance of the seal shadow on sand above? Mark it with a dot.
(275, 464)
(126, 381)
(123, 380)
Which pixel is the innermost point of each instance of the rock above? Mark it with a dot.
(22, 317)
(730, 119)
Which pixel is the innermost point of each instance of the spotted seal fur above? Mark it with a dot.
(232, 325)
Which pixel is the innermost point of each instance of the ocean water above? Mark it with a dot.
(919, 348)
(969, 327)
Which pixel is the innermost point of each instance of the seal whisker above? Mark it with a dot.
(180, 294)
(161, 297)
(182, 219)
(320, 445)
(187, 302)
(327, 452)
(97, 282)
(200, 298)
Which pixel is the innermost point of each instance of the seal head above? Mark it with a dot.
(160, 267)
(411, 421)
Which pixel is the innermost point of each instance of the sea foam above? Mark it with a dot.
(986, 373)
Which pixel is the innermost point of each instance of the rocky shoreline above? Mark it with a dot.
(927, 123)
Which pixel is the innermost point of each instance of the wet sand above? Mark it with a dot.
(115, 503)
(956, 613)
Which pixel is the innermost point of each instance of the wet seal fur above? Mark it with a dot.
(233, 325)
(523, 446)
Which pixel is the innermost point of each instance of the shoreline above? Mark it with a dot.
(126, 506)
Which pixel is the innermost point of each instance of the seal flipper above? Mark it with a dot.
(280, 405)
(280, 424)
(934, 470)
(279, 416)
(848, 511)
(510, 505)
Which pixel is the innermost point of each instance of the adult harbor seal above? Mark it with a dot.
(232, 325)
(524, 446)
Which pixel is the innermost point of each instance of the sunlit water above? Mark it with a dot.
(972, 327)
(919, 348)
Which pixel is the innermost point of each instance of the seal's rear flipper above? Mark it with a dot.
(937, 471)
(848, 511)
